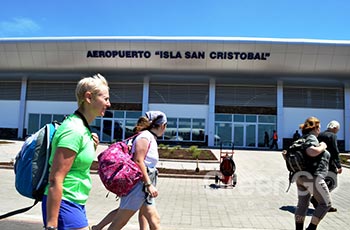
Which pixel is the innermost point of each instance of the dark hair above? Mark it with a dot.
(310, 124)
(143, 123)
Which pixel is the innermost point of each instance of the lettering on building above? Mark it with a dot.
(173, 54)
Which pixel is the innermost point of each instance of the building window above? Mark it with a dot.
(36, 121)
(223, 117)
(179, 94)
(302, 97)
(10, 90)
(121, 92)
(119, 125)
(246, 96)
(185, 129)
(48, 91)
(115, 125)
(243, 130)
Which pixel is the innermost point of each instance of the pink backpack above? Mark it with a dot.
(117, 170)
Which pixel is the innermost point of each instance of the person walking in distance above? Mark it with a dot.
(312, 181)
(266, 140)
(73, 151)
(274, 140)
(329, 136)
(296, 135)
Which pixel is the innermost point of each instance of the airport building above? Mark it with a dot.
(215, 91)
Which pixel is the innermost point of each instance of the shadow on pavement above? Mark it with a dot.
(291, 209)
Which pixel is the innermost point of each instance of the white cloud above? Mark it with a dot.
(18, 26)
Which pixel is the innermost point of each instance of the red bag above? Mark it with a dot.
(117, 170)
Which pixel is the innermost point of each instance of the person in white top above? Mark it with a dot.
(141, 197)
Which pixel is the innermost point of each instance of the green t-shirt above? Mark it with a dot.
(72, 134)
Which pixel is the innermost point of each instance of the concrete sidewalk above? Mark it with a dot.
(259, 200)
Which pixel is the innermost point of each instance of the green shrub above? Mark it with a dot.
(166, 154)
(344, 159)
(195, 151)
(172, 151)
(163, 146)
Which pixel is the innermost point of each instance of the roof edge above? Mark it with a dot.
(176, 38)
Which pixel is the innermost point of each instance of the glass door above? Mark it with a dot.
(107, 127)
(118, 130)
(238, 135)
(224, 133)
(250, 137)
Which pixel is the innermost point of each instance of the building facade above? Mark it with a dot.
(215, 91)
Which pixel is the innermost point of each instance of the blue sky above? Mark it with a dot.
(311, 19)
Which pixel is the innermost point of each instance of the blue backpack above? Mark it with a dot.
(32, 166)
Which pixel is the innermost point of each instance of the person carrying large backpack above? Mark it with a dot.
(73, 151)
(312, 181)
(145, 155)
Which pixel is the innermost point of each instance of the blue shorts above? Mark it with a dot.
(70, 216)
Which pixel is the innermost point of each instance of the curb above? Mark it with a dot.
(2, 166)
(189, 161)
(169, 175)
(6, 167)
(166, 175)
(184, 176)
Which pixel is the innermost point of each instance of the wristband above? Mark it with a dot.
(148, 184)
(50, 228)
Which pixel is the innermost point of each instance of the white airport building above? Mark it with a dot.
(214, 90)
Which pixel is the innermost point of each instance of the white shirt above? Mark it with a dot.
(152, 156)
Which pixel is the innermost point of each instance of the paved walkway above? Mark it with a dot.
(259, 200)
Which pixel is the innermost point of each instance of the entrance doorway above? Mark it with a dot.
(245, 131)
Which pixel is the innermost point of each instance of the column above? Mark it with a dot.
(145, 95)
(346, 125)
(280, 113)
(22, 108)
(211, 113)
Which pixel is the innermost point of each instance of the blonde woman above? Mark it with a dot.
(73, 151)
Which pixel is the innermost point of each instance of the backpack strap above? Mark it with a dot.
(18, 211)
(133, 137)
(290, 180)
(79, 114)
